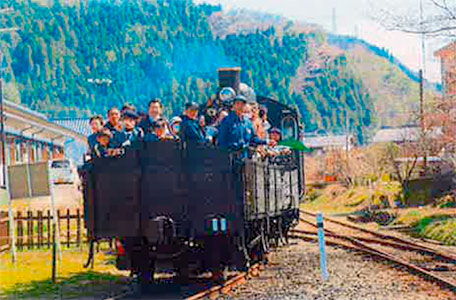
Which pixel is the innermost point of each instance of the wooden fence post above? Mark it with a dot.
(25, 233)
(20, 231)
(29, 229)
(58, 229)
(78, 232)
(4, 231)
(68, 227)
(49, 228)
(40, 229)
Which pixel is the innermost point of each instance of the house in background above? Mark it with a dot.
(78, 148)
(32, 137)
(325, 143)
(447, 57)
(397, 135)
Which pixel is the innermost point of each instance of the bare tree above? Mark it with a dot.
(404, 165)
(439, 18)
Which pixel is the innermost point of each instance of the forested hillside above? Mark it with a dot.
(76, 59)
(391, 86)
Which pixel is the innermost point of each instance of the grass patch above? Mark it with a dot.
(82, 284)
(339, 199)
(30, 277)
(440, 228)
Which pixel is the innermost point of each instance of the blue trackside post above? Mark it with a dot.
(321, 242)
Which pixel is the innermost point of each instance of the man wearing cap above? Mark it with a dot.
(132, 135)
(175, 125)
(190, 129)
(236, 131)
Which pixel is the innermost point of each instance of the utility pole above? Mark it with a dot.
(423, 44)
(347, 137)
(422, 123)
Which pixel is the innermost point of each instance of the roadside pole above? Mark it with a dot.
(54, 214)
(321, 242)
(54, 256)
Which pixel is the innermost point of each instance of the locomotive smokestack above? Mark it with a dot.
(230, 77)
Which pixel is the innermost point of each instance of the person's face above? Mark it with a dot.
(192, 114)
(176, 127)
(160, 131)
(95, 125)
(114, 116)
(247, 111)
(255, 111)
(202, 121)
(129, 123)
(104, 140)
(239, 107)
(274, 136)
(155, 110)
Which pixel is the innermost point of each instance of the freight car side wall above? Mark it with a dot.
(188, 185)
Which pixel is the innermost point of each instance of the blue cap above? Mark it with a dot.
(191, 105)
(130, 114)
(240, 98)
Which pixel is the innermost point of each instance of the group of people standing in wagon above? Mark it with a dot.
(237, 127)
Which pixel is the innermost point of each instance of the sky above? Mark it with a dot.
(356, 18)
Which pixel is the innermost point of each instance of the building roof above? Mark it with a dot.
(79, 125)
(325, 141)
(405, 134)
(448, 49)
(34, 125)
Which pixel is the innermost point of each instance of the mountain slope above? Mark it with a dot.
(392, 87)
(79, 59)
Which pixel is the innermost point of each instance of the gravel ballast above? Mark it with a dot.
(294, 273)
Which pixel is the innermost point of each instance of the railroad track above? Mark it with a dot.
(430, 263)
(194, 290)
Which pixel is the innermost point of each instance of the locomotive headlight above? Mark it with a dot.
(223, 225)
(215, 225)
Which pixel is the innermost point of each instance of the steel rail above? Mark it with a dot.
(212, 292)
(384, 236)
(354, 244)
(228, 285)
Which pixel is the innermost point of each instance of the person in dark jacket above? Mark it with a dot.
(160, 132)
(236, 131)
(101, 148)
(115, 126)
(191, 129)
(96, 124)
(132, 135)
(154, 112)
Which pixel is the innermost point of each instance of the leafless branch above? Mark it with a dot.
(440, 20)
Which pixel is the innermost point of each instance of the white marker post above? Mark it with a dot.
(321, 242)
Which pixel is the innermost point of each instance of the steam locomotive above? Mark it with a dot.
(190, 207)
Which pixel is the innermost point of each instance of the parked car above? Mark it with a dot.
(62, 171)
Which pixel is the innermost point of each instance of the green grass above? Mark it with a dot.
(440, 228)
(82, 284)
(339, 199)
(30, 277)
